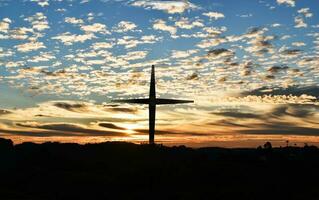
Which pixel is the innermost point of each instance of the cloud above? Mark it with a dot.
(193, 76)
(4, 112)
(300, 23)
(214, 15)
(102, 45)
(5, 53)
(44, 57)
(110, 126)
(182, 54)
(33, 133)
(73, 20)
(68, 38)
(291, 52)
(276, 69)
(293, 90)
(236, 114)
(14, 64)
(298, 44)
(276, 25)
(260, 44)
(298, 111)
(290, 3)
(170, 7)
(288, 119)
(84, 1)
(125, 26)
(60, 10)
(281, 129)
(42, 3)
(30, 46)
(21, 33)
(161, 25)
(135, 55)
(131, 42)
(66, 129)
(207, 43)
(222, 79)
(184, 23)
(39, 21)
(215, 31)
(95, 28)
(5, 25)
(305, 12)
(245, 15)
(116, 108)
(220, 53)
(74, 107)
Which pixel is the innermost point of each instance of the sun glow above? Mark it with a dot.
(130, 128)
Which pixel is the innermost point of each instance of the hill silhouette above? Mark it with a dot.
(118, 170)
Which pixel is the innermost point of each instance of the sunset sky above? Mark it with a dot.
(251, 66)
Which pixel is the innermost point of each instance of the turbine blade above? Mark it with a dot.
(172, 101)
(135, 101)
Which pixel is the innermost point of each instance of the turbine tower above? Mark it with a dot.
(152, 101)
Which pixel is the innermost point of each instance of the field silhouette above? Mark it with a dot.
(118, 170)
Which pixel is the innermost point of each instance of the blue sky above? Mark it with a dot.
(232, 57)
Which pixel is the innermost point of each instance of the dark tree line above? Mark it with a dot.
(115, 170)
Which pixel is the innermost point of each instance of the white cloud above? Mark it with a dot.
(182, 54)
(68, 38)
(95, 28)
(125, 26)
(170, 7)
(291, 3)
(206, 43)
(184, 23)
(21, 33)
(300, 23)
(276, 25)
(135, 55)
(130, 42)
(215, 30)
(39, 21)
(14, 64)
(95, 62)
(60, 10)
(149, 38)
(298, 44)
(41, 3)
(102, 45)
(5, 53)
(306, 12)
(30, 46)
(73, 20)
(214, 15)
(5, 25)
(245, 15)
(161, 25)
(44, 57)
(84, 1)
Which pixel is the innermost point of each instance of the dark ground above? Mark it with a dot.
(129, 171)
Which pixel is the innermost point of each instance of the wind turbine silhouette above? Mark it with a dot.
(152, 101)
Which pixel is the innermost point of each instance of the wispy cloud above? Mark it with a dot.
(170, 7)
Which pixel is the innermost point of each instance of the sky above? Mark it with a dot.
(251, 66)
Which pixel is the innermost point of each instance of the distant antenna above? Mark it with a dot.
(152, 101)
